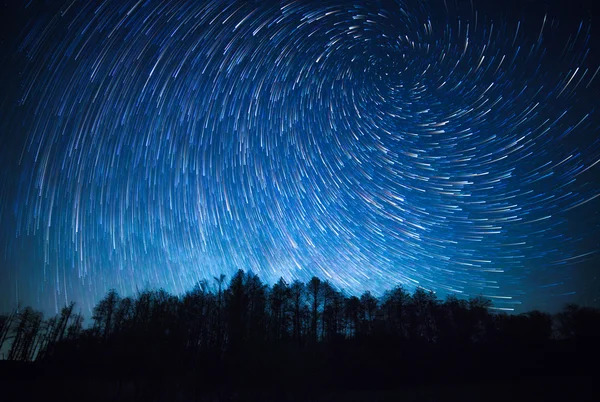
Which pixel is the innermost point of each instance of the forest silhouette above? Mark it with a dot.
(245, 340)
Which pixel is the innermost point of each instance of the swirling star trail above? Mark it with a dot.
(370, 143)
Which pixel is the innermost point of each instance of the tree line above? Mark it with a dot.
(245, 331)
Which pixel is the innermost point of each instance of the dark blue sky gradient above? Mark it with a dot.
(448, 145)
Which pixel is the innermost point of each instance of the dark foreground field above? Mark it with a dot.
(30, 382)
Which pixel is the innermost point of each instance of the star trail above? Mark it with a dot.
(369, 143)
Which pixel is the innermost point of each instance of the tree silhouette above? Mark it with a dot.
(353, 317)
(56, 329)
(299, 309)
(314, 292)
(235, 336)
(579, 323)
(280, 306)
(104, 313)
(6, 322)
(220, 324)
(24, 344)
(368, 313)
(395, 312)
(333, 313)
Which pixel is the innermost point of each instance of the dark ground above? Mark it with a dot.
(30, 382)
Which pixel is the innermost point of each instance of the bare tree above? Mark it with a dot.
(25, 335)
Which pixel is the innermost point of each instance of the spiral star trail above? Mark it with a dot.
(369, 143)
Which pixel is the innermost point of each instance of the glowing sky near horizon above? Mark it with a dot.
(370, 143)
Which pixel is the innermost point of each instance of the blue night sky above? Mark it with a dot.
(451, 145)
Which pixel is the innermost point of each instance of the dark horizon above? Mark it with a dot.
(298, 342)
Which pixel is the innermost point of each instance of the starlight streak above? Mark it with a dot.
(370, 143)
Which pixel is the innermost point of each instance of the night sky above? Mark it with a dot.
(444, 144)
